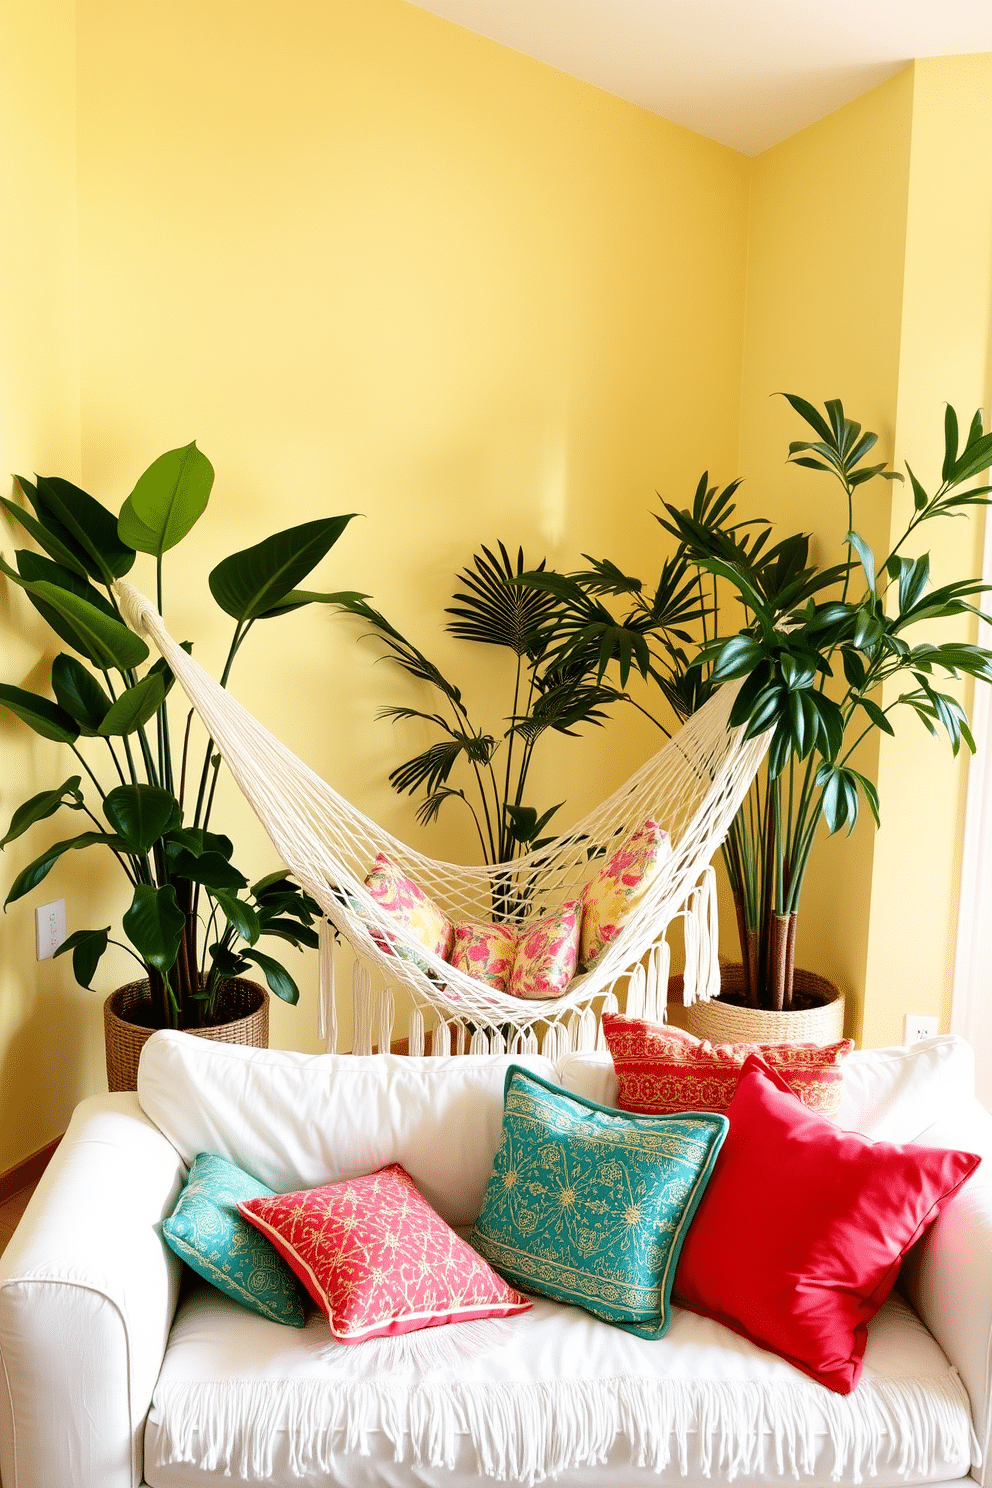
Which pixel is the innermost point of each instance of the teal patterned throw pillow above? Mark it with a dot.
(207, 1232)
(590, 1205)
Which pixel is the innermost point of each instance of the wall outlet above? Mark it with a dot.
(917, 1026)
(49, 921)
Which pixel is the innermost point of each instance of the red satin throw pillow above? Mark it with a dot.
(377, 1259)
(798, 1238)
(662, 1071)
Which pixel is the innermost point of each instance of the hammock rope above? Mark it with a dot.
(692, 788)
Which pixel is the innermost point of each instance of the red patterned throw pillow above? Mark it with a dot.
(662, 1071)
(800, 1234)
(377, 1259)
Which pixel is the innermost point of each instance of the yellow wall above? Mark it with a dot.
(42, 1015)
(945, 353)
(375, 263)
(824, 296)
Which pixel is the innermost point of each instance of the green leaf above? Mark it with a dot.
(292, 930)
(79, 693)
(154, 925)
(209, 869)
(950, 442)
(63, 555)
(249, 583)
(279, 980)
(44, 804)
(920, 497)
(46, 718)
(864, 552)
(870, 794)
(135, 706)
(914, 576)
(167, 501)
(87, 946)
(977, 457)
(739, 656)
(32, 875)
(811, 415)
(854, 667)
(876, 715)
(83, 526)
(141, 814)
(106, 641)
(297, 598)
(239, 914)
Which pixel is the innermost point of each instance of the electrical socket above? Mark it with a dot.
(919, 1026)
(49, 922)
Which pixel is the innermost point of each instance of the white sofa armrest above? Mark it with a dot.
(949, 1274)
(88, 1290)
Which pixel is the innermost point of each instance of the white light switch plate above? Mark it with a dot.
(49, 921)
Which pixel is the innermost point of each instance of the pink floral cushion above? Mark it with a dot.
(485, 950)
(547, 952)
(410, 907)
(617, 889)
(377, 1259)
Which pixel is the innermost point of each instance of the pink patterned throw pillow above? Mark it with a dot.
(406, 903)
(618, 888)
(485, 950)
(377, 1259)
(547, 952)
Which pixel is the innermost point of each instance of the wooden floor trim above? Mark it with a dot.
(27, 1171)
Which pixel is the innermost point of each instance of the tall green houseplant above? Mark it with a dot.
(815, 650)
(193, 919)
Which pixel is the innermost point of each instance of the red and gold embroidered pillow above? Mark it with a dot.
(377, 1259)
(662, 1070)
(547, 952)
(618, 888)
(485, 950)
(406, 903)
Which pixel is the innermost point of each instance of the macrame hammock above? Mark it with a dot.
(692, 788)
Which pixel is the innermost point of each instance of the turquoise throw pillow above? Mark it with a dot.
(207, 1232)
(590, 1205)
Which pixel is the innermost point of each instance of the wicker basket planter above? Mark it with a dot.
(242, 1018)
(729, 1023)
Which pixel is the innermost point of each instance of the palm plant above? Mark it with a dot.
(810, 668)
(493, 762)
(193, 920)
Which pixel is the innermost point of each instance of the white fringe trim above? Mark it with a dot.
(526, 1432)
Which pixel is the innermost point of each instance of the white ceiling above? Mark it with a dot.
(745, 72)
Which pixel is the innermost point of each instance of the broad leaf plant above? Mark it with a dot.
(818, 655)
(193, 920)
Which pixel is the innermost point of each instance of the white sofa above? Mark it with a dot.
(117, 1373)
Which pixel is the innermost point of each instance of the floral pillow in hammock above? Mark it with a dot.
(618, 888)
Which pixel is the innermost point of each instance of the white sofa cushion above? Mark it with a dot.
(889, 1094)
(553, 1392)
(299, 1120)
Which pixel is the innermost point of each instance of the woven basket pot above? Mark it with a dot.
(242, 1012)
(727, 1023)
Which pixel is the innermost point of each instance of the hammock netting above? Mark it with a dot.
(692, 788)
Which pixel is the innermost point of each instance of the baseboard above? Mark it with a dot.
(28, 1170)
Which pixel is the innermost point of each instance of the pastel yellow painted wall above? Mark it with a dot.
(42, 1016)
(945, 347)
(375, 263)
(870, 278)
(824, 300)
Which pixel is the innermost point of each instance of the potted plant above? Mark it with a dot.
(813, 653)
(193, 921)
(487, 771)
